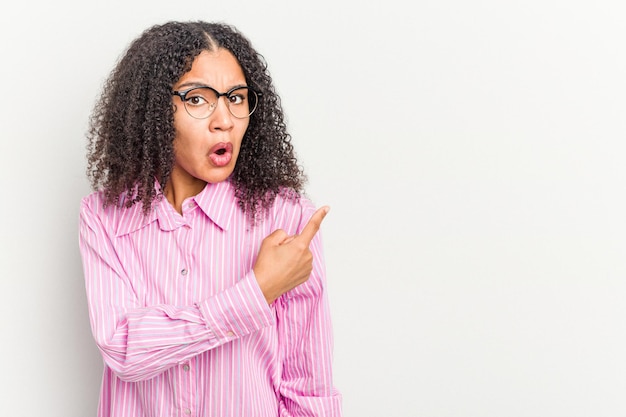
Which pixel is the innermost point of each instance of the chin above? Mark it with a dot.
(215, 177)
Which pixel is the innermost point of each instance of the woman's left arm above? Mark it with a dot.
(306, 341)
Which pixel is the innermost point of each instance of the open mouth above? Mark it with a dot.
(221, 148)
(221, 154)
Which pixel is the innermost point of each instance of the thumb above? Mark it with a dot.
(277, 237)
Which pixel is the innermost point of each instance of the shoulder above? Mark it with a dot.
(93, 202)
(291, 211)
(115, 218)
(290, 200)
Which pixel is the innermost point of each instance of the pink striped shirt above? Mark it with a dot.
(181, 322)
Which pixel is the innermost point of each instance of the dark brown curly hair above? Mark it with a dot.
(131, 130)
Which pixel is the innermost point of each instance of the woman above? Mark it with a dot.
(203, 266)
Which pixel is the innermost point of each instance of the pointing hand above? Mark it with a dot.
(284, 261)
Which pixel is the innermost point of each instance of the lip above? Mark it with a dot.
(221, 154)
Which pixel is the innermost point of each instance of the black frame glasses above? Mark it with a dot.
(241, 101)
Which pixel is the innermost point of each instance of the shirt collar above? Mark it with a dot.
(217, 201)
(133, 219)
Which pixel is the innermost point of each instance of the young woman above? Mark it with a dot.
(203, 263)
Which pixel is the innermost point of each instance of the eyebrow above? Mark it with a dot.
(195, 84)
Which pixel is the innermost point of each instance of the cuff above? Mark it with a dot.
(238, 311)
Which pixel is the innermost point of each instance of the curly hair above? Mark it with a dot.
(131, 129)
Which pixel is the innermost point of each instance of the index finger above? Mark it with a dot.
(314, 224)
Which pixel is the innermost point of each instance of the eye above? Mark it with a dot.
(236, 98)
(196, 99)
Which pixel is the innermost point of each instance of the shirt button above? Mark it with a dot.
(187, 411)
(183, 272)
(186, 368)
(230, 334)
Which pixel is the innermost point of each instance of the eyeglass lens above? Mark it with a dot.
(202, 101)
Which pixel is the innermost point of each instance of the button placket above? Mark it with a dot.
(185, 288)
(188, 388)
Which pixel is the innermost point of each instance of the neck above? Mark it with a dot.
(178, 189)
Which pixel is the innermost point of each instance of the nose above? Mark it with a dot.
(221, 118)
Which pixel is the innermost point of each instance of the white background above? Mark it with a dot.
(473, 156)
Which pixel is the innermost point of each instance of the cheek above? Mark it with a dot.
(182, 146)
(180, 128)
(182, 123)
(242, 129)
(185, 134)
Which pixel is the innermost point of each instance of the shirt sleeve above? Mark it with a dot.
(139, 342)
(305, 336)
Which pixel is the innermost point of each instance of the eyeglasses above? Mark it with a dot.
(201, 102)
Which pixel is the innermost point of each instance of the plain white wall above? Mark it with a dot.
(473, 156)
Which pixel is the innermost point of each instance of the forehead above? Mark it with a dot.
(218, 69)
